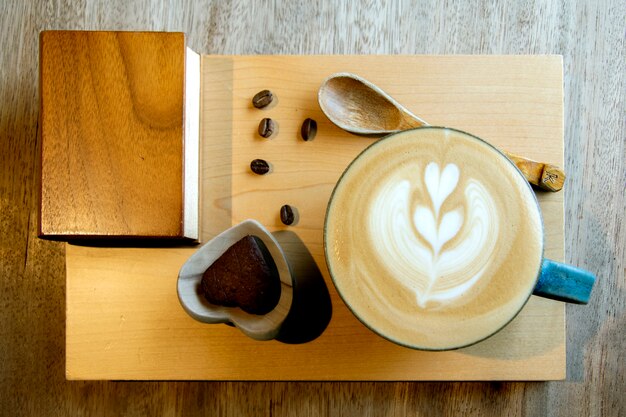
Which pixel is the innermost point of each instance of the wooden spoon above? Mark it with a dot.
(360, 107)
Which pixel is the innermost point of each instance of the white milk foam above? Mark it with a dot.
(439, 255)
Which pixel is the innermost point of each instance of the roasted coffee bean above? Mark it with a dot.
(267, 127)
(309, 129)
(287, 215)
(260, 166)
(262, 99)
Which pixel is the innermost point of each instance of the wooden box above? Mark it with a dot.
(112, 125)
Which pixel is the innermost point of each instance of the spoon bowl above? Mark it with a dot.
(358, 106)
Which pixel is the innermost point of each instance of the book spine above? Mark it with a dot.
(191, 146)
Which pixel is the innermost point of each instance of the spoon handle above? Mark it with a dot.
(546, 176)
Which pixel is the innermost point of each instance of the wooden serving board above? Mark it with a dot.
(124, 320)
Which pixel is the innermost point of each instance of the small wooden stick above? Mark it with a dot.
(546, 176)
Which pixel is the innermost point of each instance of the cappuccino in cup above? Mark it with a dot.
(433, 238)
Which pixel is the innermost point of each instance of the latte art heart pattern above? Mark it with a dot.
(438, 254)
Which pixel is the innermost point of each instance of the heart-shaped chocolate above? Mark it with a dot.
(193, 301)
(244, 276)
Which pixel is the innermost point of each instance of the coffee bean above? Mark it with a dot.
(267, 127)
(260, 166)
(309, 129)
(262, 99)
(287, 215)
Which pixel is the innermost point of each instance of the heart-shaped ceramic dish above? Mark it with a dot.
(259, 327)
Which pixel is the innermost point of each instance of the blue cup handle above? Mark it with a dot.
(564, 283)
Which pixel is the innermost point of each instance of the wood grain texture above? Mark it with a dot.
(129, 294)
(590, 36)
(111, 124)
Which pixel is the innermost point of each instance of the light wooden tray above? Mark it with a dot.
(124, 320)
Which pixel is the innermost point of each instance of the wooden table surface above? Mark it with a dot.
(589, 34)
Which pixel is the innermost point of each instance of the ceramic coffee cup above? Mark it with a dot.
(434, 240)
